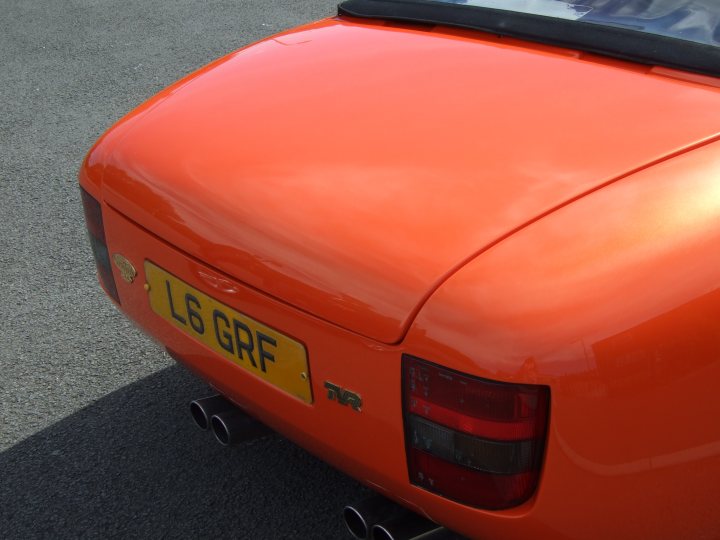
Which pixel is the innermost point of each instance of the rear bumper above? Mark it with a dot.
(368, 445)
(576, 494)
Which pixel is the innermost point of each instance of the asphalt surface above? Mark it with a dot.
(95, 440)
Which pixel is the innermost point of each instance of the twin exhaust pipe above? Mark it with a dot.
(229, 424)
(378, 518)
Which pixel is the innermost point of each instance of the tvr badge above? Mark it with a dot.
(127, 270)
(343, 396)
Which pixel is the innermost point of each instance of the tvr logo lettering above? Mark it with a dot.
(127, 270)
(343, 396)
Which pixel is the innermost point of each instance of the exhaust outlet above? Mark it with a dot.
(361, 517)
(234, 427)
(202, 410)
(407, 526)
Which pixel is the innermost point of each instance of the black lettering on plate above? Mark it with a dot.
(262, 353)
(244, 346)
(174, 314)
(195, 319)
(226, 341)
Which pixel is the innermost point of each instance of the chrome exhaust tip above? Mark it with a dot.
(355, 523)
(234, 427)
(361, 517)
(202, 410)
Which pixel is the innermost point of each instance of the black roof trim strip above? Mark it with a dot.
(633, 45)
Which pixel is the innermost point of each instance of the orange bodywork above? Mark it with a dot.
(513, 211)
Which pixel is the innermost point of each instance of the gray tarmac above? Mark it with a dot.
(95, 440)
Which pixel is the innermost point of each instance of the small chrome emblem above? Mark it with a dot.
(127, 270)
(343, 396)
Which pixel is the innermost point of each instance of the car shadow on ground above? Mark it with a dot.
(132, 464)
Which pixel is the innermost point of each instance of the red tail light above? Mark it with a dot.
(475, 441)
(96, 231)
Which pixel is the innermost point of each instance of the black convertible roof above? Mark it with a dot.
(677, 34)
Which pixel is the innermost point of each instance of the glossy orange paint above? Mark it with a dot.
(613, 301)
(330, 168)
(513, 211)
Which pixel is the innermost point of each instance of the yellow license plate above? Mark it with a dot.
(264, 352)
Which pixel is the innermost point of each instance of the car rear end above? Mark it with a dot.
(313, 287)
(394, 445)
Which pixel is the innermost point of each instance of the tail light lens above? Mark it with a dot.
(96, 231)
(475, 441)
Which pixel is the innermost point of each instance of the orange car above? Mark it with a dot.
(467, 252)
